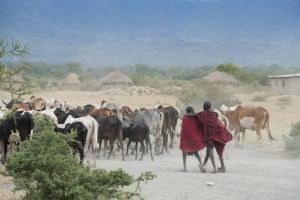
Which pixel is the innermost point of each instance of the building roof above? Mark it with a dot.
(220, 77)
(116, 77)
(72, 79)
(286, 76)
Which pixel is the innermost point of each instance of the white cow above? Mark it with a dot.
(92, 135)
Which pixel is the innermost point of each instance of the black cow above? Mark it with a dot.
(62, 115)
(166, 128)
(7, 127)
(110, 128)
(25, 124)
(20, 123)
(81, 131)
(173, 113)
(138, 132)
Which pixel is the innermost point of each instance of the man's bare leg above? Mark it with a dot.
(212, 158)
(184, 161)
(201, 167)
(222, 168)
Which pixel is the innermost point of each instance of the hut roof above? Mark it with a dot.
(116, 77)
(72, 79)
(220, 77)
(286, 76)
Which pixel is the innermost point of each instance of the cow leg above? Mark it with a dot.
(150, 147)
(147, 148)
(166, 146)
(120, 138)
(104, 148)
(132, 150)
(236, 138)
(143, 150)
(100, 142)
(136, 147)
(172, 135)
(81, 153)
(4, 151)
(258, 133)
(156, 147)
(128, 144)
(111, 147)
(243, 138)
(162, 149)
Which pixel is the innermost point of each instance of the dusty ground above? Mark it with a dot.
(256, 172)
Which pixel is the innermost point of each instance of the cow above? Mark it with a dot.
(7, 128)
(38, 104)
(154, 120)
(92, 135)
(125, 111)
(113, 107)
(25, 124)
(252, 118)
(15, 125)
(62, 115)
(80, 139)
(16, 104)
(138, 132)
(49, 113)
(110, 128)
(166, 129)
(173, 117)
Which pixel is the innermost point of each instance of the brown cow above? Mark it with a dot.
(15, 104)
(38, 104)
(94, 112)
(126, 110)
(252, 118)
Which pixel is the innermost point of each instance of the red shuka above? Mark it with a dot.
(200, 128)
(191, 138)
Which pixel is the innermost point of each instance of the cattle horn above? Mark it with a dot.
(221, 111)
(4, 103)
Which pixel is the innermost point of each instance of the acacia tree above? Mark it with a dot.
(228, 68)
(8, 82)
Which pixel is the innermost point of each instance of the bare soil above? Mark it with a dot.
(256, 172)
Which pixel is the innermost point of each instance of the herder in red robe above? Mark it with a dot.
(215, 134)
(191, 138)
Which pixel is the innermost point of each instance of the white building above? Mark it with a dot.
(288, 84)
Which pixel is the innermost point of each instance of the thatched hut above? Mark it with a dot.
(71, 82)
(116, 79)
(220, 77)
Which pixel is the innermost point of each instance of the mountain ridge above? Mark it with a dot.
(157, 32)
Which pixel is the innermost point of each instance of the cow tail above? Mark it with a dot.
(267, 126)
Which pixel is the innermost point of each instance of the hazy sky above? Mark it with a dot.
(156, 32)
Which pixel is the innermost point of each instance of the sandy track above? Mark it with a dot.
(254, 173)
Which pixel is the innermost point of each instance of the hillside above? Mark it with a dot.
(157, 32)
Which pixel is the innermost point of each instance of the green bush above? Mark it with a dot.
(45, 168)
(292, 142)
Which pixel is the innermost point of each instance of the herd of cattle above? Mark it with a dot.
(113, 124)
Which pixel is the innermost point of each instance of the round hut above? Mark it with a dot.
(220, 77)
(71, 82)
(115, 79)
